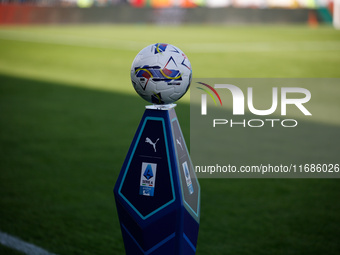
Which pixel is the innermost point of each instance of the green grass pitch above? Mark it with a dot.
(68, 113)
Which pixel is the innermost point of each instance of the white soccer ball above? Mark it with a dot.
(161, 73)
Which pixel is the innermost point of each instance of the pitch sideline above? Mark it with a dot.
(22, 246)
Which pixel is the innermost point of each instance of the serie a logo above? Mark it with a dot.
(239, 104)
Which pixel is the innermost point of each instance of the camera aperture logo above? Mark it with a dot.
(295, 96)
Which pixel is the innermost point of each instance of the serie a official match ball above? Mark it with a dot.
(161, 73)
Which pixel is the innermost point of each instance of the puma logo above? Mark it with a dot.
(148, 140)
(179, 143)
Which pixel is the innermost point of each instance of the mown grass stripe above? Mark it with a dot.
(107, 43)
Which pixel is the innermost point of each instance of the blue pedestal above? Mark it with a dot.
(157, 193)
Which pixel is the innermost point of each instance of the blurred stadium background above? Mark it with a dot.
(68, 113)
(166, 11)
(180, 3)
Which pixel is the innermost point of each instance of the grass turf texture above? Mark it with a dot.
(68, 115)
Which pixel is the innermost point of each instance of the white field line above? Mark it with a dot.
(22, 246)
(114, 43)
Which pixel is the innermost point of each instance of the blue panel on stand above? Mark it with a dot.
(150, 152)
(189, 183)
(188, 247)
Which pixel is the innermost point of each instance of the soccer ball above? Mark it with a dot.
(161, 73)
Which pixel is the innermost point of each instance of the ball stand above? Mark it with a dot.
(157, 193)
